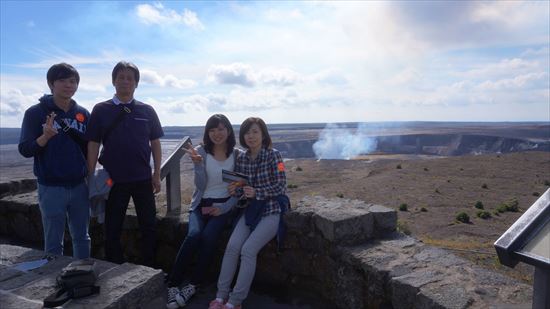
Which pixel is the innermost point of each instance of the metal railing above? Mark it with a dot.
(170, 170)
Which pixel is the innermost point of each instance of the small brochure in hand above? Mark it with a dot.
(229, 176)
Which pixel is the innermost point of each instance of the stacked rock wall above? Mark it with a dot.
(344, 251)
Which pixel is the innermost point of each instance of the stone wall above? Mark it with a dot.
(344, 251)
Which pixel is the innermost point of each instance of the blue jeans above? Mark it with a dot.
(58, 203)
(203, 234)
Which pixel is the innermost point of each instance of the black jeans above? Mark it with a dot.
(115, 212)
(203, 234)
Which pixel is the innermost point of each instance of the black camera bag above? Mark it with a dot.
(76, 280)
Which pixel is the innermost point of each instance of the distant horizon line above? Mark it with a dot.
(368, 122)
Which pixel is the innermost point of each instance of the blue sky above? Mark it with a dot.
(288, 61)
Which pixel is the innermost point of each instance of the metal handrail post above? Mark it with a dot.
(170, 170)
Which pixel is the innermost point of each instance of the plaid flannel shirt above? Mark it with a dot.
(266, 174)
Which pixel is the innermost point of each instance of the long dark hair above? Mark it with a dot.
(245, 126)
(213, 122)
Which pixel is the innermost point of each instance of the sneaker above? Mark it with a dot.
(216, 304)
(171, 302)
(185, 294)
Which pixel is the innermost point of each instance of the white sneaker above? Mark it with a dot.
(171, 302)
(185, 294)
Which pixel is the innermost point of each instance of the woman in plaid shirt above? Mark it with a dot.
(266, 184)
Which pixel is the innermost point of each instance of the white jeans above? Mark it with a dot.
(246, 244)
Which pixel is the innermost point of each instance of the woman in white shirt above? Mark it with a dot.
(210, 206)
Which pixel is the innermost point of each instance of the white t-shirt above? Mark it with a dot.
(215, 186)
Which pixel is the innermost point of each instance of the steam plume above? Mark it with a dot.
(340, 142)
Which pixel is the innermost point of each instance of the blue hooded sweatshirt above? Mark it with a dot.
(61, 161)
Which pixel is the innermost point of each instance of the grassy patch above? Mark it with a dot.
(423, 209)
(299, 169)
(511, 206)
(340, 195)
(479, 205)
(483, 214)
(402, 227)
(403, 207)
(462, 217)
(292, 186)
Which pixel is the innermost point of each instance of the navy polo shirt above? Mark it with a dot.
(126, 153)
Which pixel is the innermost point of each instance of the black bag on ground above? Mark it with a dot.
(76, 280)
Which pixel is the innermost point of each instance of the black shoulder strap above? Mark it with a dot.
(73, 134)
(123, 111)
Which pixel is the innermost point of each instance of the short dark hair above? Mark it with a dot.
(125, 65)
(213, 122)
(245, 126)
(61, 71)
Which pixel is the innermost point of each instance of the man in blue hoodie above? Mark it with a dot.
(53, 133)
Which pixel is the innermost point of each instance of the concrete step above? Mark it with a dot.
(122, 286)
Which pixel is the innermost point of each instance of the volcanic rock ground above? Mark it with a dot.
(435, 189)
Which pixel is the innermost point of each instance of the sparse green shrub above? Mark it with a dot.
(398, 166)
(403, 207)
(423, 209)
(402, 227)
(536, 194)
(437, 191)
(511, 206)
(479, 205)
(340, 195)
(501, 208)
(483, 214)
(461, 169)
(484, 186)
(292, 186)
(462, 217)
(426, 169)
(547, 183)
(448, 180)
(299, 169)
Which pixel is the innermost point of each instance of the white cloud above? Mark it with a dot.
(158, 14)
(330, 77)
(197, 103)
(406, 76)
(279, 77)
(541, 52)
(235, 73)
(519, 82)
(13, 101)
(169, 80)
(92, 87)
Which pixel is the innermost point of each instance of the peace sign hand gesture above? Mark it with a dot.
(48, 130)
(195, 157)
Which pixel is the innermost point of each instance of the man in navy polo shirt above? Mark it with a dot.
(53, 133)
(129, 131)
